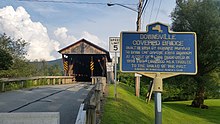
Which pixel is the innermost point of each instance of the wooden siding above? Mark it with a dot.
(82, 47)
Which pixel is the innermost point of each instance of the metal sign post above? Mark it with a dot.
(114, 46)
(158, 53)
(158, 88)
(115, 90)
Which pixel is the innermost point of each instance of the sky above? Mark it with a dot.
(51, 26)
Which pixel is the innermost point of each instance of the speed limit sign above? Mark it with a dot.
(114, 44)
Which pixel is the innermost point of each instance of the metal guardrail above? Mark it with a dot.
(91, 104)
(81, 117)
(49, 80)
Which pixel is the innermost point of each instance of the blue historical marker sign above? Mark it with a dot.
(159, 50)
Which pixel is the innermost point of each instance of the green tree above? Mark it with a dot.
(5, 60)
(15, 47)
(54, 70)
(202, 17)
(12, 58)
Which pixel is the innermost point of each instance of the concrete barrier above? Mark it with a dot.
(30, 118)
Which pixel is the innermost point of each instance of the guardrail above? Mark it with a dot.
(36, 80)
(91, 104)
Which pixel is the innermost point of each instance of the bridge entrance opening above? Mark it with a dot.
(82, 67)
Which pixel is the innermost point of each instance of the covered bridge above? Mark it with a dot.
(84, 59)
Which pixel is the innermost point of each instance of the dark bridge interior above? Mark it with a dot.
(80, 66)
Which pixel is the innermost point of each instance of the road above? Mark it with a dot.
(65, 99)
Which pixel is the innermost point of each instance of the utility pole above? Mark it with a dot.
(138, 76)
(140, 5)
(139, 10)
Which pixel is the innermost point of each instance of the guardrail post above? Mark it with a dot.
(3, 86)
(39, 82)
(54, 81)
(48, 81)
(59, 82)
(69, 81)
(97, 97)
(91, 113)
(103, 84)
(64, 81)
(22, 84)
(93, 80)
(35, 82)
(101, 91)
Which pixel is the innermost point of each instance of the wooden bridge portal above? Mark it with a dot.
(83, 59)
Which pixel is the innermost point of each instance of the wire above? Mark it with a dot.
(73, 2)
(142, 21)
(144, 7)
(144, 10)
(158, 10)
(151, 11)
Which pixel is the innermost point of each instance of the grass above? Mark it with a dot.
(128, 109)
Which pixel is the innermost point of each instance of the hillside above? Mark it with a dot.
(129, 109)
(58, 62)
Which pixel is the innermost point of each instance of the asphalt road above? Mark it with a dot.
(65, 99)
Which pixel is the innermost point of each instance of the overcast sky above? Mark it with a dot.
(49, 27)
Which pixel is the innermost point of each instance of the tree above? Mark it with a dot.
(54, 70)
(5, 60)
(12, 57)
(202, 17)
(15, 47)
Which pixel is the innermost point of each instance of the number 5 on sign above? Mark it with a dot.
(114, 44)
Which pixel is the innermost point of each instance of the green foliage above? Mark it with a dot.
(14, 64)
(12, 58)
(20, 68)
(144, 85)
(213, 85)
(127, 78)
(184, 87)
(5, 60)
(54, 70)
(45, 69)
(15, 47)
(202, 17)
(179, 88)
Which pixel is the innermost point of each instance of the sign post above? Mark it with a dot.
(158, 53)
(114, 46)
(137, 84)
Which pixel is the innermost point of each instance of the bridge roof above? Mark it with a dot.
(84, 47)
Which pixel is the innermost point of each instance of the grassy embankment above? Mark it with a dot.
(129, 109)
